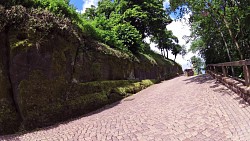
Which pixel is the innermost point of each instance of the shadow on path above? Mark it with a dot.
(200, 79)
(15, 137)
(216, 86)
(223, 91)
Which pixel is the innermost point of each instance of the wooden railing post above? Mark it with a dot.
(208, 68)
(227, 70)
(215, 71)
(224, 71)
(227, 65)
(246, 70)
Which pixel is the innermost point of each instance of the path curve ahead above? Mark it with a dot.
(185, 108)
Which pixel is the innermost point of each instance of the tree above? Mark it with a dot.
(90, 13)
(129, 36)
(197, 64)
(220, 25)
(165, 41)
(148, 17)
(176, 49)
(106, 7)
(124, 23)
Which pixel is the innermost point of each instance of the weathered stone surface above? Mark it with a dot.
(9, 118)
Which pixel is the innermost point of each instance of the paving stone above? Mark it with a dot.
(185, 108)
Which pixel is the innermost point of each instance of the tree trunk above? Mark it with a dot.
(233, 38)
(228, 53)
(164, 53)
(225, 43)
(229, 30)
(167, 53)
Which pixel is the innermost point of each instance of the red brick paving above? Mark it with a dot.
(184, 108)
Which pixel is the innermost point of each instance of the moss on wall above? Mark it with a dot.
(41, 99)
(132, 88)
(86, 103)
(46, 101)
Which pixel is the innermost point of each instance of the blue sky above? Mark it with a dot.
(77, 3)
(172, 15)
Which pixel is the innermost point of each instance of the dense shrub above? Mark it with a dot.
(59, 7)
(132, 88)
(129, 36)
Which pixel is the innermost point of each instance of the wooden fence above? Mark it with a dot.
(242, 63)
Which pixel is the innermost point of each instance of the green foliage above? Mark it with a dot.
(106, 86)
(156, 58)
(219, 28)
(133, 88)
(120, 24)
(90, 30)
(23, 43)
(129, 36)
(149, 58)
(197, 45)
(166, 41)
(176, 49)
(46, 101)
(59, 7)
(106, 7)
(35, 25)
(148, 82)
(124, 24)
(90, 13)
(197, 64)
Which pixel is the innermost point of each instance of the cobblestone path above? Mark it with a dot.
(185, 108)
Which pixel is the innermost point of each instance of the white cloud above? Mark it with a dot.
(181, 28)
(78, 11)
(88, 3)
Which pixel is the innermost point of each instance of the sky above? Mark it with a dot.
(78, 4)
(178, 27)
(81, 5)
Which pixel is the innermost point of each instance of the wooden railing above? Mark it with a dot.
(242, 63)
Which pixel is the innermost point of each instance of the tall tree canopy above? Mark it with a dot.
(220, 29)
(197, 64)
(126, 23)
